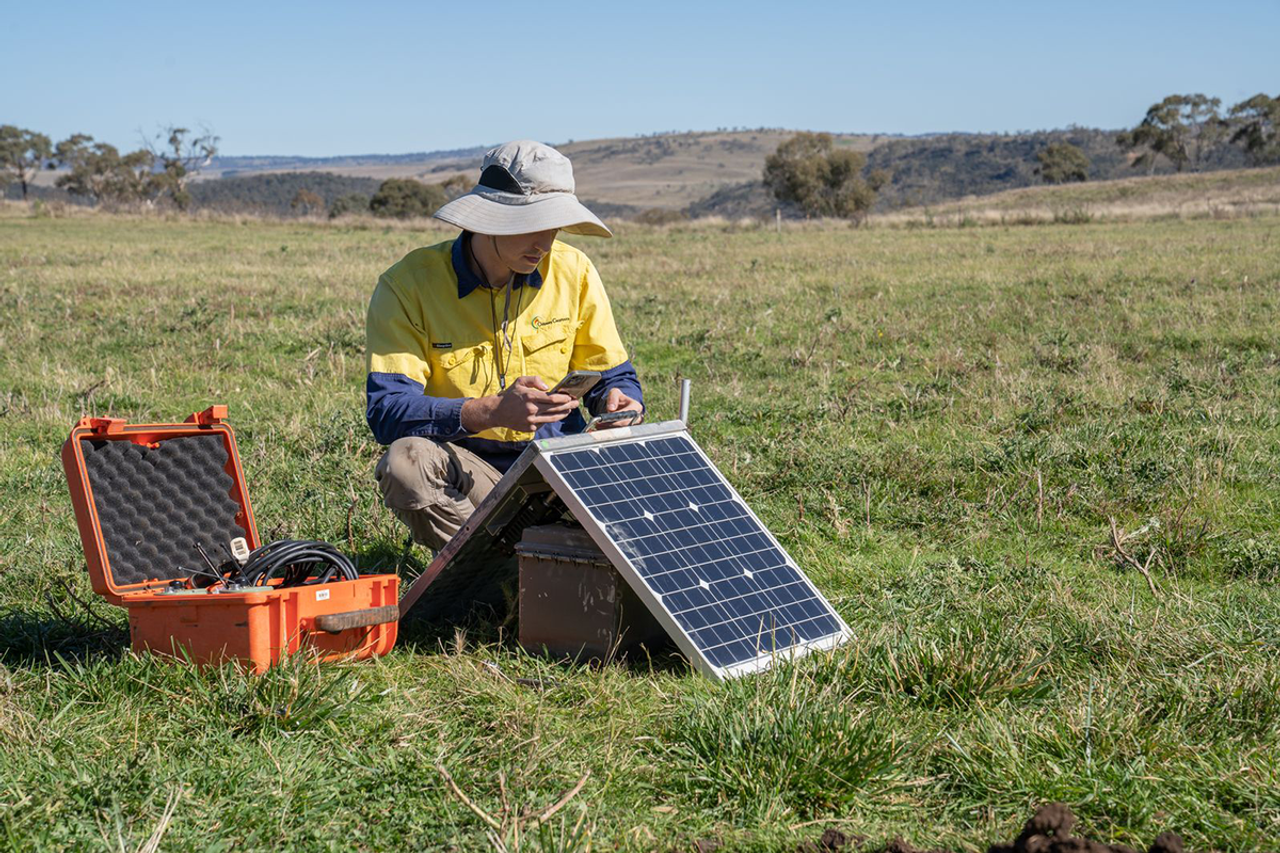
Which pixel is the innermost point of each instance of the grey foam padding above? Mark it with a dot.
(154, 504)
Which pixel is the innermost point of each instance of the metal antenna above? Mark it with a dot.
(685, 385)
(212, 568)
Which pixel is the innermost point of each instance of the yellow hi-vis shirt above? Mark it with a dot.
(426, 330)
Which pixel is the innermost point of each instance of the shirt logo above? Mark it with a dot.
(538, 322)
(445, 345)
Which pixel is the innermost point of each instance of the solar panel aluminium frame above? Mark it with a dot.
(543, 462)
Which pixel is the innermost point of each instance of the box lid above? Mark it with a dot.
(560, 541)
(145, 495)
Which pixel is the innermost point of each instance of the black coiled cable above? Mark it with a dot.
(296, 562)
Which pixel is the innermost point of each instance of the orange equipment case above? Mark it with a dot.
(145, 494)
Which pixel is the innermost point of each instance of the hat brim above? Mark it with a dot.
(484, 216)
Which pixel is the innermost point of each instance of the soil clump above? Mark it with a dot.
(1048, 831)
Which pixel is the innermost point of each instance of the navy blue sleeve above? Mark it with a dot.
(623, 377)
(398, 407)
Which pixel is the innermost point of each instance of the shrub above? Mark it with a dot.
(349, 203)
(807, 170)
(405, 198)
(1061, 163)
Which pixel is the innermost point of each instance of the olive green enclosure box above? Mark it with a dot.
(573, 603)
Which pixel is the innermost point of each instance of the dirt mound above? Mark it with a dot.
(1048, 831)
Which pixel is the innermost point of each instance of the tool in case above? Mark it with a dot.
(158, 504)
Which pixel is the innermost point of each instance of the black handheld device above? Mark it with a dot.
(614, 417)
(577, 383)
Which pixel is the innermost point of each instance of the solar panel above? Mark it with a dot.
(677, 531)
(706, 566)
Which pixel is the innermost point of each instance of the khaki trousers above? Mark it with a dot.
(433, 487)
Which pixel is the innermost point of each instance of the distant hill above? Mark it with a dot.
(356, 165)
(937, 168)
(668, 171)
(1224, 193)
(715, 173)
(945, 167)
(674, 171)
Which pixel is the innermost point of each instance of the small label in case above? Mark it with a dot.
(322, 595)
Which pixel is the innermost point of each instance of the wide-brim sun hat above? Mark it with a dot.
(524, 187)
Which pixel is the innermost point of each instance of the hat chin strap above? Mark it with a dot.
(511, 274)
(484, 274)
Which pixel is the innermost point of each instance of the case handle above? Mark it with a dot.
(336, 623)
(212, 415)
(105, 426)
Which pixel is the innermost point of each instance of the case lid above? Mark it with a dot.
(146, 494)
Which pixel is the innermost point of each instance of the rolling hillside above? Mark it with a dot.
(1223, 194)
(670, 171)
(695, 174)
(718, 173)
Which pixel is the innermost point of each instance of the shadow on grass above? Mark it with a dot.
(38, 639)
(489, 625)
(486, 626)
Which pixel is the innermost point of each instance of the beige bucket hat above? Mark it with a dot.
(525, 186)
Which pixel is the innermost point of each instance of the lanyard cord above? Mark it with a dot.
(500, 363)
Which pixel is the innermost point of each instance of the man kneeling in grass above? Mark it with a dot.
(464, 340)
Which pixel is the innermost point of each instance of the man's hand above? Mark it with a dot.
(524, 406)
(619, 402)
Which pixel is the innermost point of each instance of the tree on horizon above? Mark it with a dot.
(1181, 128)
(808, 171)
(23, 153)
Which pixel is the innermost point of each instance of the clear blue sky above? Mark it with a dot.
(381, 77)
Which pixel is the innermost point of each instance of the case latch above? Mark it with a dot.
(211, 415)
(106, 426)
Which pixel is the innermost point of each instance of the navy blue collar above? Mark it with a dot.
(469, 281)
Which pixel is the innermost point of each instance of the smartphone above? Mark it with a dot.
(577, 383)
(614, 417)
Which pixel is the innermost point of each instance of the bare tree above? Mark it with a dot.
(180, 156)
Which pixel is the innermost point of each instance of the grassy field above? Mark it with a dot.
(940, 424)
